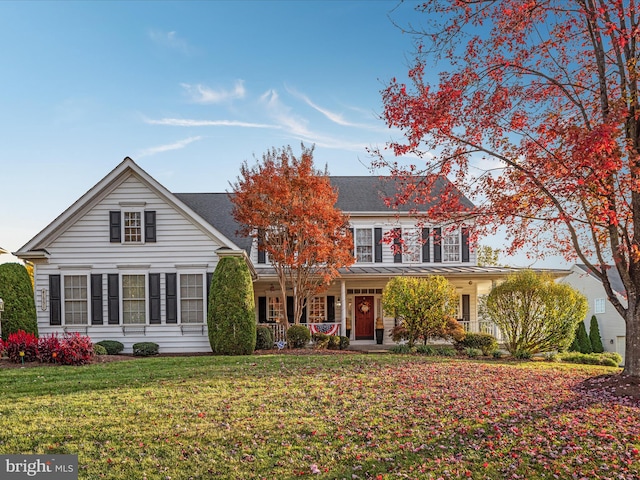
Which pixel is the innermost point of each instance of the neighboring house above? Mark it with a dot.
(611, 324)
(2, 250)
(131, 261)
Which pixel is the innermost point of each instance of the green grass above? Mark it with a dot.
(372, 416)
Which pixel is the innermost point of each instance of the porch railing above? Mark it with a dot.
(482, 326)
(280, 334)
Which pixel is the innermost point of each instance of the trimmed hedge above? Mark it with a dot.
(264, 338)
(298, 336)
(609, 359)
(231, 318)
(484, 342)
(113, 347)
(19, 305)
(99, 350)
(145, 349)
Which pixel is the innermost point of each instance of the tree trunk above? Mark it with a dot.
(632, 342)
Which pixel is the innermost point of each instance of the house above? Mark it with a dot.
(611, 324)
(132, 261)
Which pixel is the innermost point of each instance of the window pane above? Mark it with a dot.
(412, 245)
(317, 311)
(275, 311)
(133, 299)
(451, 248)
(132, 227)
(75, 300)
(191, 298)
(364, 245)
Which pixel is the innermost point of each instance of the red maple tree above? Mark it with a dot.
(289, 207)
(537, 120)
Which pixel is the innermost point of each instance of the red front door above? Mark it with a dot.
(364, 318)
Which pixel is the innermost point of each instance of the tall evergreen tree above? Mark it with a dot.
(231, 318)
(594, 336)
(19, 304)
(584, 344)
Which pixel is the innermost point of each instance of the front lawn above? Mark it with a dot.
(343, 416)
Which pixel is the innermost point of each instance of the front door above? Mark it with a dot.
(364, 318)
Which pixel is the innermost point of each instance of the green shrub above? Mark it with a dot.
(594, 336)
(99, 349)
(552, 357)
(321, 340)
(615, 356)
(19, 305)
(498, 354)
(590, 358)
(484, 342)
(231, 317)
(298, 336)
(145, 349)
(401, 348)
(444, 351)
(522, 355)
(425, 350)
(472, 352)
(264, 338)
(113, 347)
(344, 343)
(334, 342)
(584, 344)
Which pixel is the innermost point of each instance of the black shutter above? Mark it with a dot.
(209, 278)
(114, 227)
(55, 303)
(172, 297)
(149, 226)
(331, 308)
(290, 310)
(397, 242)
(466, 308)
(437, 245)
(425, 245)
(262, 309)
(154, 298)
(377, 236)
(262, 255)
(96, 299)
(113, 299)
(465, 244)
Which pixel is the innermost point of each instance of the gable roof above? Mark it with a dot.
(36, 247)
(614, 278)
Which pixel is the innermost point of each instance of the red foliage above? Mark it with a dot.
(49, 349)
(537, 121)
(22, 347)
(75, 349)
(289, 207)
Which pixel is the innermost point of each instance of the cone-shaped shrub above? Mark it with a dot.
(584, 344)
(19, 305)
(231, 318)
(594, 336)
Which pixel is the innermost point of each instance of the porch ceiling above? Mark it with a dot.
(467, 271)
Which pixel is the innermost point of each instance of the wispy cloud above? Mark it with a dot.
(165, 148)
(170, 40)
(282, 114)
(334, 117)
(186, 122)
(203, 94)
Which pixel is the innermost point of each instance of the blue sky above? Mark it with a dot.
(189, 90)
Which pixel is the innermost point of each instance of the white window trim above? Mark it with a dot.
(414, 235)
(599, 305)
(204, 296)
(457, 234)
(124, 211)
(146, 298)
(371, 245)
(64, 299)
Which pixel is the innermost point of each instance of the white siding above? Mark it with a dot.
(84, 248)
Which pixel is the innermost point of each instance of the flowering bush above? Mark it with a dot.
(49, 348)
(22, 347)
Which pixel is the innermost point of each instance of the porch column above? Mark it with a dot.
(343, 307)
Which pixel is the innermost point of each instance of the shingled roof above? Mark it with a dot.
(360, 194)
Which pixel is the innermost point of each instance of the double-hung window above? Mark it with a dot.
(132, 227)
(317, 310)
(133, 299)
(599, 305)
(75, 300)
(412, 248)
(451, 247)
(191, 298)
(364, 245)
